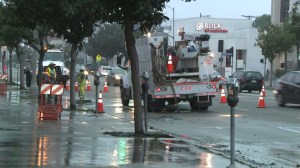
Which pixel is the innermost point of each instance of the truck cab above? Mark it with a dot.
(57, 57)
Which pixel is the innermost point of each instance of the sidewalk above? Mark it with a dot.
(82, 139)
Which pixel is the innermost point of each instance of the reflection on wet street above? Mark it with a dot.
(78, 140)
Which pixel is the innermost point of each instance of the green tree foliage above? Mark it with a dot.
(274, 40)
(72, 20)
(145, 13)
(108, 41)
(12, 37)
(262, 21)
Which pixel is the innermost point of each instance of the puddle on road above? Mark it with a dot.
(107, 151)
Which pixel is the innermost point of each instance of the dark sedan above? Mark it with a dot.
(287, 88)
(249, 80)
(114, 76)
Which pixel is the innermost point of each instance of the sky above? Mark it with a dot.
(218, 8)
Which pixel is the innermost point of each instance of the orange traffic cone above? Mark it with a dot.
(85, 86)
(66, 103)
(223, 96)
(76, 87)
(105, 87)
(170, 64)
(68, 85)
(88, 88)
(261, 101)
(263, 91)
(100, 103)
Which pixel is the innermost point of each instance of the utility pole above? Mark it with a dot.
(248, 16)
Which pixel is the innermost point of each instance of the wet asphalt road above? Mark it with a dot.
(78, 139)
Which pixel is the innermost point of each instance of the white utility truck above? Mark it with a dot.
(57, 57)
(186, 78)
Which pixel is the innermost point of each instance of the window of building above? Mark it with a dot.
(284, 11)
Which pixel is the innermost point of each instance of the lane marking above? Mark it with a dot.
(242, 109)
(287, 129)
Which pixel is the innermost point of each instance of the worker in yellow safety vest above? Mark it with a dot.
(51, 73)
(81, 79)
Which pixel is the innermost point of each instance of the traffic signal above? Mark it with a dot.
(261, 60)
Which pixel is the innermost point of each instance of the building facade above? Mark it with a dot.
(224, 34)
(280, 13)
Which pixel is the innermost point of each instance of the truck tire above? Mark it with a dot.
(125, 102)
(199, 106)
(155, 105)
(124, 97)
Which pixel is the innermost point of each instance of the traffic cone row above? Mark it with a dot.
(170, 67)
(105, 87)
(87, 86)
(100, 103)
(223, 98)
(66, 103)
(261, 101)
(68, 85)
(76, 87)
(263, 91)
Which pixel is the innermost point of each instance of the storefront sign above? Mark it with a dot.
(210, 27)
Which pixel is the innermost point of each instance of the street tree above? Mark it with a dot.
(71, 20)
(270, 39)
(28, 14)
(129, 13)
(262, 21)
(287, 39)
(12, 37)
(74, 20)
(295, 22)
(108, 41)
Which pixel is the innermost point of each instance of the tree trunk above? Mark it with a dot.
(4, 72)
(10, 66)
(271, 79)
(72, 76)
(21, 60)
(136, 84)
(285, 60)
(40, 70)
(298, 58)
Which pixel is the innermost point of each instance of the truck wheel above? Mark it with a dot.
(156, 105)
(193, 104)
(124, 98)
(196, 106)
(203, 108)
(125, 102)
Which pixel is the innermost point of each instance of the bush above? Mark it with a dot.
(280, 72)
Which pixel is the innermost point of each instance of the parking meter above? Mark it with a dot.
(232, 100)
(233, 88)
(145, 87)
(97, 79)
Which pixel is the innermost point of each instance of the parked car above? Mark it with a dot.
(114, 76)
(287, 88)
(104, 70)
(249, 80)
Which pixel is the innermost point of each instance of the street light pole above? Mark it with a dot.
(173, 28)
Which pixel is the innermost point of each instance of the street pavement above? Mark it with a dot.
(83, 138)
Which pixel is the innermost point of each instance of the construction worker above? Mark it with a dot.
(51, 73)
(81, 79)
(50, 77)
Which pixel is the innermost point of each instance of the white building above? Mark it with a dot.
(236, 33)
